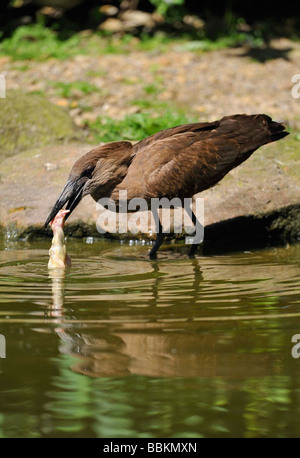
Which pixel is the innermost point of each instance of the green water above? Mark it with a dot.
(121, 346)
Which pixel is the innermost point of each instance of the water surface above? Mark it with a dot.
(121, 346)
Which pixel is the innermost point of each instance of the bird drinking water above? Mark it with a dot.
(178, 162)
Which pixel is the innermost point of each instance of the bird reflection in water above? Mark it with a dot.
(56, 310)
(160, 335)
(57, 277)
(158, 346)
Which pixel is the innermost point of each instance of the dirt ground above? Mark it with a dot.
(209, 84)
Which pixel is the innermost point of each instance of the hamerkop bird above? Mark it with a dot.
(177, 162)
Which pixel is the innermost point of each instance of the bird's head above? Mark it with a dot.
(95, 173)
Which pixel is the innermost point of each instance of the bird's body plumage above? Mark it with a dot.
(180, 161)
(177, 162)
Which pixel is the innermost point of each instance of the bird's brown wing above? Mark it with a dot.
(194, 159)
(172, 131)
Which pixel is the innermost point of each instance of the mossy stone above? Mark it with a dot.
(30, 120)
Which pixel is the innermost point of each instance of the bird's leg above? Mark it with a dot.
(159, 236)
(194, 247)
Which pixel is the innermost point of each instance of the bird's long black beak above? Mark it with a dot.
(72, 193)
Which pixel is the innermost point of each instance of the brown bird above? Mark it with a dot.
(177, 162)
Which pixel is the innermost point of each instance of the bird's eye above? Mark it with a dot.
(89, 172)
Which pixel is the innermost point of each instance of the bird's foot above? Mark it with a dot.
(192, 251)
(152, 255)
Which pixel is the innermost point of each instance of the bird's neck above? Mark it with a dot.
(108, 186)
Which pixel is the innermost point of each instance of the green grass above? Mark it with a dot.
(136, 126)
(150, 104)
(95, 74)
(206, 44)
(21, 67)
(158, 42)
(152, 89)
(67, 89)
(36, 42)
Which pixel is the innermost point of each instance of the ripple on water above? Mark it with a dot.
(116, 278)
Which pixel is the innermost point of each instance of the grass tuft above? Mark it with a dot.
(136, 126)
(67, 89)
(36, 42)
